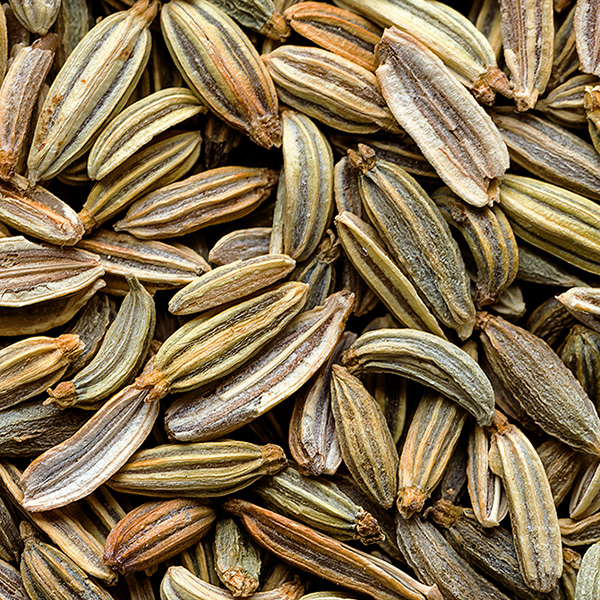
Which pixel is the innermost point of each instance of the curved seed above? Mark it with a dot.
(94, 82)
(367, 253)
(262, 16)
(428, 359)
(135, 126)
(541, 383)
(28, 367)
(550, 152)
(335, 29)
(428, 447)
(157, 165)
(330, 89)
(366, 443)
(73, 22)
(321, 555)
(201, 470)
(528, 50)
(447, 33)
(212, 346)
(468, 155)
(120, 357)
(35, 211)
(584, 304)
(585, 500)
(515, 460)
(582, 532)
(292, 358)
(434, 560)
(230, 282)
(308, 177)
(10, 541)
(241, 244)
(490, 239)
(586, 22)
(318, 503)
(48, 573)
(560, 222)
(220, 63)
(38, 318)
(32, 273)
(551, 321)
(156, 531)
(75, 468)
(216, 196)
(163, 265)
(418, 237)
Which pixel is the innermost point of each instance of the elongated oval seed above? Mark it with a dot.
(560, 222)
(528, 51)
(435, 561)
(75, 468)
(31, 365)
(447, 33)
(241, 244)
(513, 458)
(429, 360)
(156, 531)
(230, 282)
(312, 439)
(430, 441)
(321, 555)
(237, 558)
(469, 156)
(588, 578)
(120, 357)
(318, 503)
(164, 265)
(336, 29)
(96, 80)
(48, 573)
(156, 165)
(11, 584)
(586, 20)
(33, 273)
(550, 152)
(366, 443)
(212, 346)
(417, 235)
(216, 196)
(367, 253)
(490, 239)
(329, 88)
(487, 495)
(541, 383)
(289, 362)
(137, 125)
(220, 63)
(308, 185)
(36, 16)
(197, 470)
(35, 211)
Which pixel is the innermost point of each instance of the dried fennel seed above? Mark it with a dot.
(229, 228)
